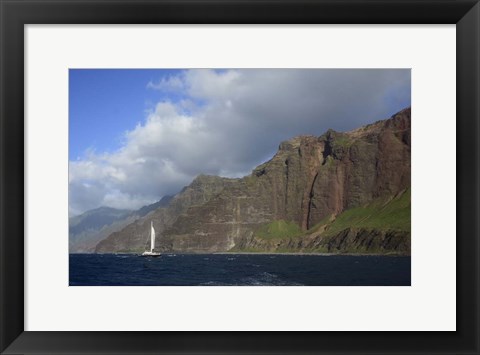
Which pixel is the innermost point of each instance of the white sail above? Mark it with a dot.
(152, 243)
(152, 236)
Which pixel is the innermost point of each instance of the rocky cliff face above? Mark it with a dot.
(310, 179)
(135, 237)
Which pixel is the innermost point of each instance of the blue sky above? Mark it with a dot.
(104, 103)
(136, 135)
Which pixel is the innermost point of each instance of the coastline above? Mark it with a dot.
(260, 253)
(310, 254)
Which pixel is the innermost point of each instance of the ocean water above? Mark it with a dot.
(238, 270)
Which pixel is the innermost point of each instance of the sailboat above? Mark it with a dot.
(152, 243)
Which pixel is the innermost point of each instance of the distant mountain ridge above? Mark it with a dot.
(89, 228)
(336, 193)
(96, 219)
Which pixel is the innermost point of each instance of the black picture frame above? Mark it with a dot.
(17, 13)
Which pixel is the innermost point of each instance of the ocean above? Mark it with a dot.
(238, 270)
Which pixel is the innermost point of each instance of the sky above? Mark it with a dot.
(136, 135)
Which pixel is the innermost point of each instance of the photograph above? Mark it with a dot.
(239, 177)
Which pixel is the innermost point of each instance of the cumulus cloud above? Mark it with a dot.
(225, 123)
(171, 83)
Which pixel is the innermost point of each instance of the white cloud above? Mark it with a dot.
(226, 123)
(172, 83)
(208, 84)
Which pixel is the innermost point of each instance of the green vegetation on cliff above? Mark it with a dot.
(279, 229)
(381, 226)
(381, 214)
(342, 141)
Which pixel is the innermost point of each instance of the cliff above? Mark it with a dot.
(297, 201)
(135, 236)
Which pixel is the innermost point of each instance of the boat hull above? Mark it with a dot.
(150, 254)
